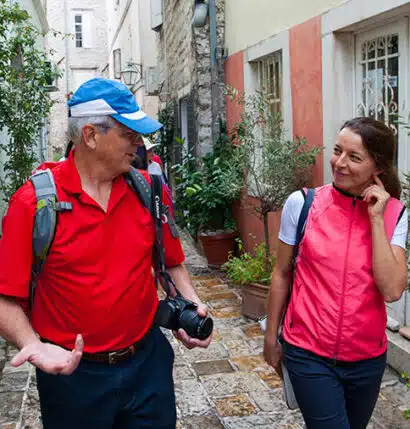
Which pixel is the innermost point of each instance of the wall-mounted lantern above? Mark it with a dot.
(200, 13)
(132, 74)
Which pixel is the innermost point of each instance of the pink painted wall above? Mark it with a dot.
(306, 86)
(250, 226)
(234, 77)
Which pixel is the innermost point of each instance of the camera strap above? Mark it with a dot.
(160, 270)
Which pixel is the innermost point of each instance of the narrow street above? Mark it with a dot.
(226, 386)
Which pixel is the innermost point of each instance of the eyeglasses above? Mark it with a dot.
(123, 132)
(131, 136)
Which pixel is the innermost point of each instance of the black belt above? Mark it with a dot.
(114, 356)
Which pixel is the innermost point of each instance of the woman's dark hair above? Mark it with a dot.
(140, 161)
(380, 143)
(68, 149)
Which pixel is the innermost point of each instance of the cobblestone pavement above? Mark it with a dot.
(226, 386)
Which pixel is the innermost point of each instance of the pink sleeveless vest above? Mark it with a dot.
(336, 310)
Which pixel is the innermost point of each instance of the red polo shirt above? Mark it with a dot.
(97, 279)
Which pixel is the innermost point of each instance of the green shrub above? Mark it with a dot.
(249, 268)
(25, 73)
(275, 165)
(203, 202)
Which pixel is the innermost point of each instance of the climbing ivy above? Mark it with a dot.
(25, 72)
(166, 134)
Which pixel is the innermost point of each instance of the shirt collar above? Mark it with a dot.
(71, 181)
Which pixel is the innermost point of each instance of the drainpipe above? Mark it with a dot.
(214, 70)
(66, 46)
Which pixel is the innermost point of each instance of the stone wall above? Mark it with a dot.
(185, 66)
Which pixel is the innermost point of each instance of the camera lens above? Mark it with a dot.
(205, 328)
(196, 326)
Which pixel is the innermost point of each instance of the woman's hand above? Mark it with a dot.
(376, 197)
(272, 352)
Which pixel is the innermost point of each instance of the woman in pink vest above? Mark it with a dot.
(351, 261)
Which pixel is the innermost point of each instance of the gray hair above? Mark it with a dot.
(76, 125)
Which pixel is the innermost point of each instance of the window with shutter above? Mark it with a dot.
(78, 29)
(270, 81)
(382, 92)
(117, 63)
(156, 14)
(177, 150)
(191, 133)
(87, 30)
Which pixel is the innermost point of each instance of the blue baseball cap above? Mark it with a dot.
(102, 97)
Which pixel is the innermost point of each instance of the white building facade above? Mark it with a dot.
(80, 53)
(132, 45)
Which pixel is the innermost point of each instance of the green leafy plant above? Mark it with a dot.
(24, 104)
(274, 165)
(166, 134)
(406, 380)
(202, 201)
(249, 267)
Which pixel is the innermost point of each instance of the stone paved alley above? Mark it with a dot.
(226, 386)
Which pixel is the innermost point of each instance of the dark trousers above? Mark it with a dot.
(135, 393)
(334, 396)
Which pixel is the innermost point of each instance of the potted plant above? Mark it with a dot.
(203, 205)
(249, 271)
(274, 165)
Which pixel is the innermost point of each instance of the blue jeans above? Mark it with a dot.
(135, 393)
(334, 396)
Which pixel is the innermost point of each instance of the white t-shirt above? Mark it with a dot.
(154, 168)
(293, 208)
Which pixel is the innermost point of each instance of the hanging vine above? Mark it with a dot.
(25, 72)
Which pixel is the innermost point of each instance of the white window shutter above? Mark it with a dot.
(87, 30)
(156, 14)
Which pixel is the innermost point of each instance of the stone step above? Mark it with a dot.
(398, 355)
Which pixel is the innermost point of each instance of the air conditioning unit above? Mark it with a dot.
(152, 81)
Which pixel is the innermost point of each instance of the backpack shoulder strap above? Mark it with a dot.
(45, 220)
(46, 217)
(140, 186)
(300, 231)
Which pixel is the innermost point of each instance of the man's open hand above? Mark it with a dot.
(51, 358)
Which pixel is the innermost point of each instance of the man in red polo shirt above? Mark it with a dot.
(100, 362)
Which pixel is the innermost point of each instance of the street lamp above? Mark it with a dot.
(132, 74)
(200, 13)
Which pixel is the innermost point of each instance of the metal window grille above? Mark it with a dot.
(270, 81)
(379, 65)
(78, 21)
(117, 63)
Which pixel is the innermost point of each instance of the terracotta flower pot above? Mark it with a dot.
(254, 300)
(217, 246)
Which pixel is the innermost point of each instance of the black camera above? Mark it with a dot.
(177, 312)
